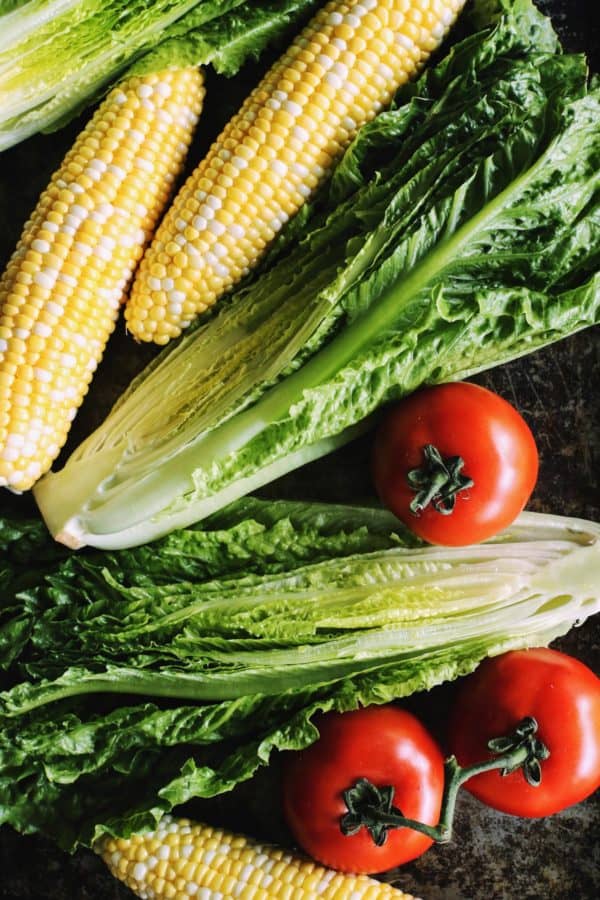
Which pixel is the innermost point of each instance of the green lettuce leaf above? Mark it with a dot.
(229, 41)
(460, 230)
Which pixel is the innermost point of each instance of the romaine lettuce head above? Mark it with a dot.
(137, 680)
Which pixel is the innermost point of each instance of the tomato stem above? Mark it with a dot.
(372, 807)
(438, 482)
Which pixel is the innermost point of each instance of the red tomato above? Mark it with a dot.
(563, 696)
(460, 420)
(389, 747)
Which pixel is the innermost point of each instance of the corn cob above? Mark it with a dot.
(186, 861)
(61, 292)
(340, 71)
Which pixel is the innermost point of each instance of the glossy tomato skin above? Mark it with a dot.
(563, 695)
(466, 420)
(385, 744)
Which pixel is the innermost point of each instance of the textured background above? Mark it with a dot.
(493, 856)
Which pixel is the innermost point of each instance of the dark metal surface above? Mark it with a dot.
(493, 856)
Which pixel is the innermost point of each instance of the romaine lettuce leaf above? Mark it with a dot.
(227, 42)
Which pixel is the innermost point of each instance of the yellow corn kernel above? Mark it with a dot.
(62, 289)
(342, 69)
(187, 861)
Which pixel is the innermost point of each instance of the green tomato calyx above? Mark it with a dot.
(437, 482)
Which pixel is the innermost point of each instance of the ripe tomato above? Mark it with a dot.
(563, 696)
(389, 747)
(459, 420)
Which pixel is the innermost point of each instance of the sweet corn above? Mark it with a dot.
(341, 70)
(186, 861)
(61, 292)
